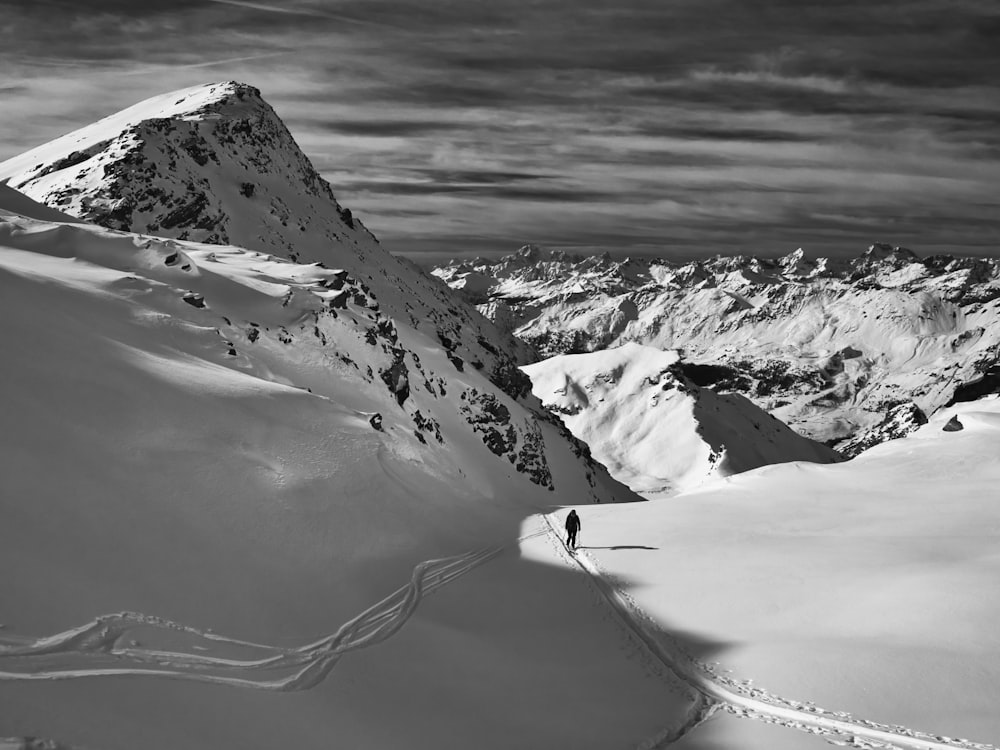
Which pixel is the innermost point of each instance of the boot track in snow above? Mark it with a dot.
(110, 646)
(718, 693)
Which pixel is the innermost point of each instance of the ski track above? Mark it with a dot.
(109, 645)
(744, 700)
(704, 706)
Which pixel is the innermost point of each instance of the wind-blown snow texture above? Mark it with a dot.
(846, 352)
(653, 428)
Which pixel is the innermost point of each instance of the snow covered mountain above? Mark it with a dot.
(235, 441)
(846, 352)
(235, 438)
(306, 327)
(215, 164)
(654, 429)
(251, 501)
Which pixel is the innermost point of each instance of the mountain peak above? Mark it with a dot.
(215, 164)
(212, 163)
(885, 251)
(229, 99)
(194, 100)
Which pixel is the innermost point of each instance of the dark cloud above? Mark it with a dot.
(710, 132)
(494, 190)
(390, 128)
(456, 94)
(97, 7)
(483, 177)
(752, 91)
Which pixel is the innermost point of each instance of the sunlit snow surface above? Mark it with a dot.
(207, 544)
(867, 587)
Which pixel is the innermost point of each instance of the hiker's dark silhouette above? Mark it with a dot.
(573, 526)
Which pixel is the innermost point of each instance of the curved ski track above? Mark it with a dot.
(110, 646)
(838, 728)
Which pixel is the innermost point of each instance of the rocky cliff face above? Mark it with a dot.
(845, 351)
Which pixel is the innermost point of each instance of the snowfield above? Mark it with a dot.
(865, 588)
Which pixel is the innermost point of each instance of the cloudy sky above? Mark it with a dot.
(671, 127)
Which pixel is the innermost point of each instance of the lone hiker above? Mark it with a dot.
(573, 525)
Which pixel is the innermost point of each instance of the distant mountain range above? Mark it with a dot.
(848, 352)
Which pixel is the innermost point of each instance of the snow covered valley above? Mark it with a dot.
(289, 492)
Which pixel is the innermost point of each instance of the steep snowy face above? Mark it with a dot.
(653, 428)
(215, 164)
(837, 349)
(230, 313)
(217, 441)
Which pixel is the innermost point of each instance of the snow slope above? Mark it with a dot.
(859, 592)
(211, 541)
(213, 546)
(846, 352)
(13, 202)
(654, 429)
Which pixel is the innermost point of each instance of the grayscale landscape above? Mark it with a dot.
(322, 316)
